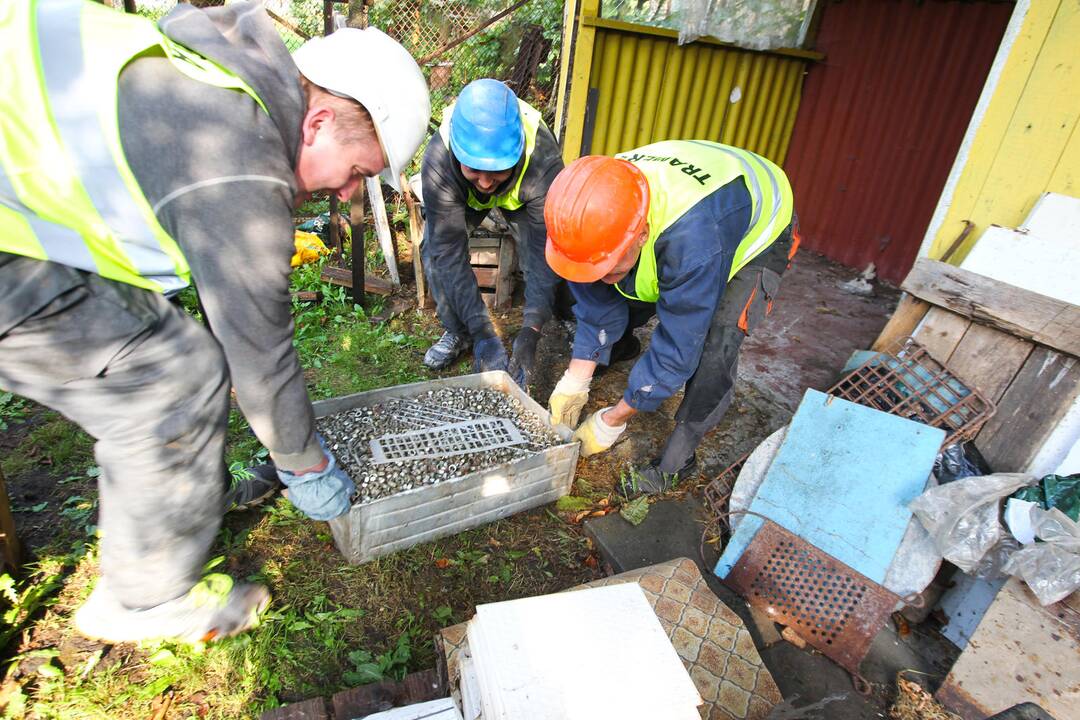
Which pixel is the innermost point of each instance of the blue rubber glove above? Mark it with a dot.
(321, 495)
(489, 354)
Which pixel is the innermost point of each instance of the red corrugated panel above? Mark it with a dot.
(882, 119)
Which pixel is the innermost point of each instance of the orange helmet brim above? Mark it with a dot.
(583, 272)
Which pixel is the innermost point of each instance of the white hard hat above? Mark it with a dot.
(372, 68)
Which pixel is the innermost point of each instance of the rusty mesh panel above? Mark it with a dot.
(831, 606)
(909, 383)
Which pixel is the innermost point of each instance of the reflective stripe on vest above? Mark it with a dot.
(67, 193)
(531, 120)
(682, 173)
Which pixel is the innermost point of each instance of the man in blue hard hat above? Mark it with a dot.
(492, 151)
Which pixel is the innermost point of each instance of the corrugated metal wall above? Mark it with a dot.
(882, 119)
(648, 88)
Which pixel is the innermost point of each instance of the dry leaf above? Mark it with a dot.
(442, 563)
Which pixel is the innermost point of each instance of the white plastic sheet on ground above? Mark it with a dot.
(1050, 568)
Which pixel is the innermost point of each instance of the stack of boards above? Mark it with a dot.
(581, 655)
(594, 653)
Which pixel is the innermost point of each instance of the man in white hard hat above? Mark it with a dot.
(140, 158)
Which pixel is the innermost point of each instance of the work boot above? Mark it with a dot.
(214, 608)
(627, 347)
(651, 480)
(260, 484)
(445, 351)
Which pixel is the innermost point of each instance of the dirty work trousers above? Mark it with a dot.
(708, 394)
(150, 385)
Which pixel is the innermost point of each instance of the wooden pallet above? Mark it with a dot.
(1018, 347)
(493, 261)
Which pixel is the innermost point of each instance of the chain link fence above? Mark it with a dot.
(451, 39)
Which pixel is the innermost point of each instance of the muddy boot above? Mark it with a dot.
(651, 480)
(449, 347)
(214, 608)
(260, 485)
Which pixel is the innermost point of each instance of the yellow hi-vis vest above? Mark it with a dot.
(66, 191)
(682, 173)
(531, 120)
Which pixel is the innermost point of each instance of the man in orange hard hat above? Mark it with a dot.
(694, 232)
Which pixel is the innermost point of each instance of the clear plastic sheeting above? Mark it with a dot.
(752, 24)
(963, 519)
(1051, 568)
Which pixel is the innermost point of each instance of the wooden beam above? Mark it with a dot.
(1019, 312)
(314, 709)
(988, 359)
(903, 322)
(382, 227)
(378, 696)
(12, 547)
(344, 277)
(416, 236)
(359, 249)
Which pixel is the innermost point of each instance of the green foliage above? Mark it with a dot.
(12, 409)
(634, 512)
(571, 503)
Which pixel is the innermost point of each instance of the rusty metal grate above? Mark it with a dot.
(718, 492)
(909, 383)
(831, 606)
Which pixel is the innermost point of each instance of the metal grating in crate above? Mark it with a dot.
(831, 606)
(909, 383)
(470, 436)
(718, 492)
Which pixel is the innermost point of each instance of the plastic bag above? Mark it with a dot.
(963, 519)
(1055, 491)
(1051, 568)
(309, 248)
(957, 461)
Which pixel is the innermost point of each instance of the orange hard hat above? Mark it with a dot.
(595, 209)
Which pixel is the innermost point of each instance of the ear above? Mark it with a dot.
(318, 118)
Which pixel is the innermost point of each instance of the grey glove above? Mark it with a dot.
(489, 354)
(323, 494)
(523, 358)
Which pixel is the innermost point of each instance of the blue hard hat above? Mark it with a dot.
(485, 127)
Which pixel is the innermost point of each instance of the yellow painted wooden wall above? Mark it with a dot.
(1028, 141)
(645, 88)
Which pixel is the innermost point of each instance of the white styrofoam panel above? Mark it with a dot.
(1042, 263)
(1055, 216)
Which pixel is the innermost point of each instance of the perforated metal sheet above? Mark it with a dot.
(831, 606)
(470, 436)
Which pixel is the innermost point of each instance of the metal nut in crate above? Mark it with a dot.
(435, 458)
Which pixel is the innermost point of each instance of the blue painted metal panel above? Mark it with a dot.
(842, 481)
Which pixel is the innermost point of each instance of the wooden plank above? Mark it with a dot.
(1018, 312)
(343, 277)
(903, 322)
(382, 227)
(313, 709)
(1041, 393)
(12, 548)
(486, 277)
(489, 299)
(940, 332)
(504, 282)
(485, 241)
(416, 236)
(375, 697)
(988, 359)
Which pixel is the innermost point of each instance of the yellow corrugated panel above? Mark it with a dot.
(648, 88)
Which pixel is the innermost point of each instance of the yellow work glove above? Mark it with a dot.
(595, 435)
(568, 399)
